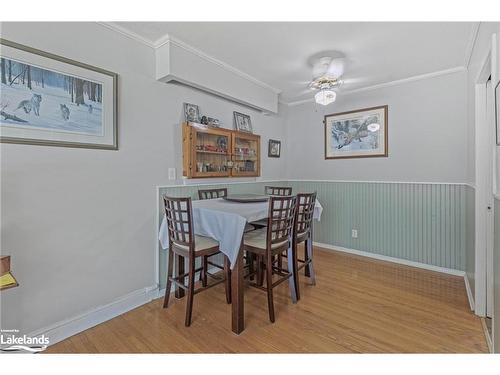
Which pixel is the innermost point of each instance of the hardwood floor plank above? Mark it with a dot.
(359, 305)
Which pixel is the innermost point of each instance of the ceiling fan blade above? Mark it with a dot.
(336, 68)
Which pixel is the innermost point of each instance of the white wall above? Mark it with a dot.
(80, 223)
(427, 134)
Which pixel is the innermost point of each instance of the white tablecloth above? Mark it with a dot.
(225, 222)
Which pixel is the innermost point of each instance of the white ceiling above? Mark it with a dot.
(278, 53)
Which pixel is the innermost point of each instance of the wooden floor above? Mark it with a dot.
(358, 305)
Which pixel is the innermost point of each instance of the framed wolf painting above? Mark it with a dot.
(357, 134)
(50, 100)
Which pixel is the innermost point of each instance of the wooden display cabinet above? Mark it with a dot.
(217, 152)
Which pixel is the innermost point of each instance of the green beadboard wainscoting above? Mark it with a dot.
(419, 222)
(470, 238)
(422, 223)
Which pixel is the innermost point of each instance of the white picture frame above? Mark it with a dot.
(242, 122)
(191, 113)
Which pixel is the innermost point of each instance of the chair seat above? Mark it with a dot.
(257, 239)
(302, 236)
(260, 223)
(248, 228)
(201, 243)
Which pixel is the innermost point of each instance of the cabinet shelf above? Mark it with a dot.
(245, 157)
(212, 152)
(198, 163)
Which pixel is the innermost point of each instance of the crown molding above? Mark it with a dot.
(297, 102)
(471, 43)
(168, 38)
(127, 33)
(388, 84)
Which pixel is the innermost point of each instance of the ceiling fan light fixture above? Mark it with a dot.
(325, 96)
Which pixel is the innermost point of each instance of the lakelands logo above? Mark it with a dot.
(11, 341)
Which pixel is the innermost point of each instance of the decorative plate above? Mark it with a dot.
(246, 198)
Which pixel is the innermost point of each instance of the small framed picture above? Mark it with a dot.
(274, 148)
(191, 112)
(242, 122)
(213, 122)
(497, 112)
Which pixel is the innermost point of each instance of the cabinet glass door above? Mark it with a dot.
(212, 156)
(246, 150)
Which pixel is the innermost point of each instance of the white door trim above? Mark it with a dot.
(490, 198)
(482, 144)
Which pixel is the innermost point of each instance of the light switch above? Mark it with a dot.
(171, 173)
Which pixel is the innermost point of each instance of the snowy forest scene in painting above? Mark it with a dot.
(41, 99)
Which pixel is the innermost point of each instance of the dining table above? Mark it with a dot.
(225, 221)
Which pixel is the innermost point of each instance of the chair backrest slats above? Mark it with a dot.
(278, 190)
(304, 213)
(212, 193)
(179, 216)
(280, 219)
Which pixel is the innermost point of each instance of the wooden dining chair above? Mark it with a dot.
(275, 239)
(302, 233)
(278, 190)
(186, 245)
(212, 193)
(272, 190)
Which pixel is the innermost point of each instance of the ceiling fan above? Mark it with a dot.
(327, 76)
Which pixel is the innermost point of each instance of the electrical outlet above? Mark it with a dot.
(171, 173)
(354, 233)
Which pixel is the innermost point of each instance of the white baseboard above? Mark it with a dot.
(405, 262)
(487, 336)
(69, 327)
(470, 296)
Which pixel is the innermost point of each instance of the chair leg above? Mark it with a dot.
(280, 262)
(227, 282)
(250, 260)
(309, 251)
(204, 271)
(293, 281)
(179, 270)
(170, 267)
(260, 268)
(189, 305)
(269, 282)
(307, 271)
